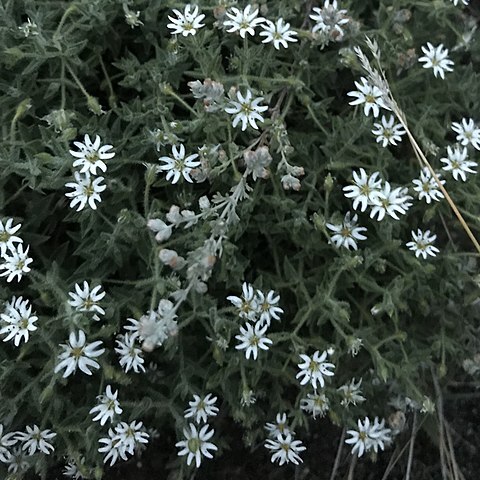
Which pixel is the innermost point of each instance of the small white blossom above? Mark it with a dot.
(91, 155)
(246, 304)
(316, 404)
(243, 22)
(467, 132)
(390, 202)
(17, 462)
(364, 189)
(246, 110)
(314, 369)
(347, 233)
(248, 398)
(108, 406)
(8, 239)
(196, 444)
(86, 300)
(267, 307)
(422, 244)
(427, 187)
(388, 132)
(280, 427)
(455, 2)
(278, 33)
(78, 353)
(130, 355)
(124, 439)
(285, 449)
(252, 338)
(329, 21)
(354, 344)
(179, 165)
(35, 439)
(457, 162)
(85, 190)
(6, 441)
(71, 471)
(202, 408)
(436, 58)
(370, 96)
(351, 393)
(16, 263)
(186, 23)
(18, 321)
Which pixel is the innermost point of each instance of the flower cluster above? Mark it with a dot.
(14, 257)
(196, 444)
(258, 309)
(369, 436)
(89, 157)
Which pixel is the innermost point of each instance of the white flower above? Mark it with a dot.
(130, 357)
(390, 202)
(285, 449)
(364, 190)
(6, 441)
(17, 462)
(248, 398)
(436, 58)
(19, 321)
(427, 187)
(457, 162)
(78, 353)
(422, 244)
(329, 20)
(380, 435)
(252, 338)
(279, 33)
(124, 439)
(108, 406)
(85, 190)
(316, 404)
(351, 393)
(91, 155)
(35, 439)
(267, 307)
(246, 110)
(467, 132)
(186, 23)
(196, 444)
(369, 95)
(355, 344)
(8, 237)
(280, 426)
(246, 304)
(243, 22)
(178, 165)
(346, 233)
(388, 132)
(86, 300)
(314, 369)
(71, 471)
(202, 408)
(369, 436)
(16, 263)
(455, 2)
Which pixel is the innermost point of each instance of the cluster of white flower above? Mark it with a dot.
(17, 321)
(347, 233)
(281, 441)
(31, 441)
(369, 436)
(196, 443)
(367, 190)
(90, 157)
(156, 326)
(259, 308)
(123, 440)
(15, 260)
